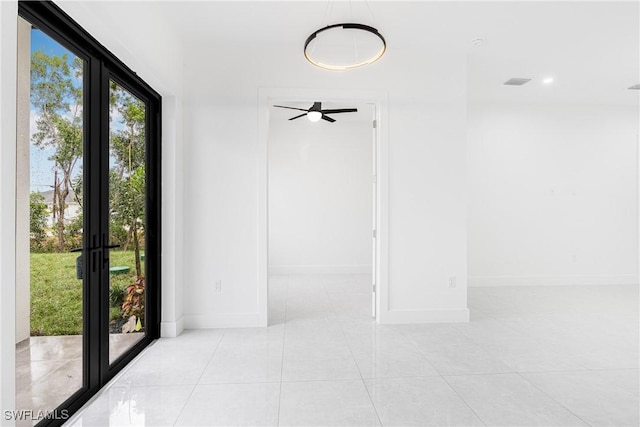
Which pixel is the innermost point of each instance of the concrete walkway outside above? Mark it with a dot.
(49, 369)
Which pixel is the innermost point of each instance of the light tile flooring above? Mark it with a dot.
(534, 356)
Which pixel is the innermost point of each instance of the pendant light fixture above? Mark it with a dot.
(344, 46)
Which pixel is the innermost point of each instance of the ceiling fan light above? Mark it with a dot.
(314, 116)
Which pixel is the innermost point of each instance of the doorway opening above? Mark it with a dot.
(322, 213)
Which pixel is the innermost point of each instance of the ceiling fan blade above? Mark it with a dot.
(290, 108)
(297, 117)
(327, 118)
(341, 110)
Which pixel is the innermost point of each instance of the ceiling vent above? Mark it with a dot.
(516, 82)
(635, 87)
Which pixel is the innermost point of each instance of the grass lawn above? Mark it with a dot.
(56, 294)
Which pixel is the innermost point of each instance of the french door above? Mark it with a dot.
(102, 140)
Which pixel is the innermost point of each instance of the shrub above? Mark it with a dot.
(116, 295)
(115, 313)
(133, 304)
(38, 220)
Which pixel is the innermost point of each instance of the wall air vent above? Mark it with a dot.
(635, 87)
(516, 82)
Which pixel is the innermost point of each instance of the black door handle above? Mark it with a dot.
(79, 261)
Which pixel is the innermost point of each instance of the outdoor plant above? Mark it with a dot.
(116, 295)
(37, 221)
(133, 304)
(115, 313)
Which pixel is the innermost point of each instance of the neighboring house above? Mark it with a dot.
(71, 212)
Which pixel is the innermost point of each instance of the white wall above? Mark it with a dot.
(320, 194)
(427, 203)
(8, 65)
(23, 167)
(553, 195)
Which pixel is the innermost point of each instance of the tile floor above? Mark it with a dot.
(532, 356)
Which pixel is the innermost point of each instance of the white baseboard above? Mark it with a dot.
(614, 279)
(320, 269)
(424, 316)
(230, 320)
(172, 329)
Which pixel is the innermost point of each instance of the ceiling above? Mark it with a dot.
(592, 49)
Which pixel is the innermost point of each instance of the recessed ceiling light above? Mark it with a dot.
(547, 80)
(635, 87)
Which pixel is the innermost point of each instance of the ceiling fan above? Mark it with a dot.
(315, 113)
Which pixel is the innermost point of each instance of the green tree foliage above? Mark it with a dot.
(38, 213)
(127, 175)
(56, 96)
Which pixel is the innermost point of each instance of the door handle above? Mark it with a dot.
(105, 254)
(80, 262)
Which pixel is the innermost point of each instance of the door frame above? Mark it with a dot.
(379, 99)
(101, 65)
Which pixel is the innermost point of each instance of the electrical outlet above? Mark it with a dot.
(218, 286)
(452, 281)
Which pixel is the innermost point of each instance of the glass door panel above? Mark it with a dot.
(87, 216)
(127, 224)
(49, 267)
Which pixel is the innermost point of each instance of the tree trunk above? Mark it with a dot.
(128, 241)
(136, 247)
(62, 197)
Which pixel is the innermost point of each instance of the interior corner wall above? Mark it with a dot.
(171, 324)
(23, 168)
(553, 195)
(320, 195)
(8, 66)
(426, 162)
